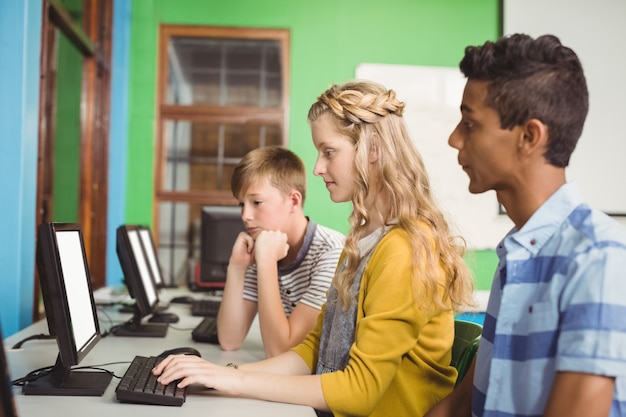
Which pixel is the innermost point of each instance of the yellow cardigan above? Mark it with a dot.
(400, 361)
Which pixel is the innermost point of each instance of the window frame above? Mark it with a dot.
(210, 113)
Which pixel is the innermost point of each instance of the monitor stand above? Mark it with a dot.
(135, 328)
(142, 330)
(62, 381)
(130, 307)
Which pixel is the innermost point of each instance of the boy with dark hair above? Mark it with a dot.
(554, 337)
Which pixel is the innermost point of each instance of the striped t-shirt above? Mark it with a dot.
(308, 278)
(557, 303)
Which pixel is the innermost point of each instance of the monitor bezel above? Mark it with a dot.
(132, 275)
(53, 286)
(61, 379)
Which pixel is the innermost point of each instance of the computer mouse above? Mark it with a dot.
(184, 299)
(180, 351)
(160, 317)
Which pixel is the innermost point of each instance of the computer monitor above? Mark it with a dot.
(140, 283)
(220, 226)
(70, 312)
(152, 256)
(6, 393)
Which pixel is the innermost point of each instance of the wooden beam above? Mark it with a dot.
(62, 19)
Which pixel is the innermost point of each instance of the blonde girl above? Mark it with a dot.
(382, 343)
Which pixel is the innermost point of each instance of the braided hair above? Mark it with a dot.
(371, 117)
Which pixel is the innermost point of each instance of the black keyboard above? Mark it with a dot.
(138, 385)
(205, 307)
(206, 330)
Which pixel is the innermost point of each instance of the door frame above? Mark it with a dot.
(93, 39)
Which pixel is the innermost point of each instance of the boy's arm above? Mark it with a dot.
(576, 394)
(278, 331)
(235, 314)
(459, 402)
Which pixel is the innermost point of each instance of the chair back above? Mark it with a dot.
(465, 346)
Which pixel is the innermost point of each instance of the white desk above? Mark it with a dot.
(200, 402)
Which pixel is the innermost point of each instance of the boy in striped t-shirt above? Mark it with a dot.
(283, 265)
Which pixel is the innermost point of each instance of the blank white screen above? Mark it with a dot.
(144, 272)
(147, 244)
(76, 287)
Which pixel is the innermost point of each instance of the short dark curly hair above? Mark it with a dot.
(533, 79)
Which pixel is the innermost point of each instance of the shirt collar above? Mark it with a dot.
(309, 234)
(542, 224)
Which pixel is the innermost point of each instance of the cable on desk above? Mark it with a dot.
(41, 372)
(113, 329)
(103, 311)
(33, 376)
(181, 329)
(40, 336)
(97, 368)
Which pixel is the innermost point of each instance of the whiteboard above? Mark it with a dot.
(433, 96)
(595, 30)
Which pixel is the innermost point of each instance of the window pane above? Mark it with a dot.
(179, 240)
(224, 72)
(200, 156)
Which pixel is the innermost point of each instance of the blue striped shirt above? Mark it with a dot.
(557, 303)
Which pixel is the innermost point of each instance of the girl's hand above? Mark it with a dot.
(191, 369)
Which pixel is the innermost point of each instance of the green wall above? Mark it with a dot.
(328, 40)
(67, 124)
(67, 133)
(483, 264)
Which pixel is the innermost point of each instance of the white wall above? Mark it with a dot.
(433, 97)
